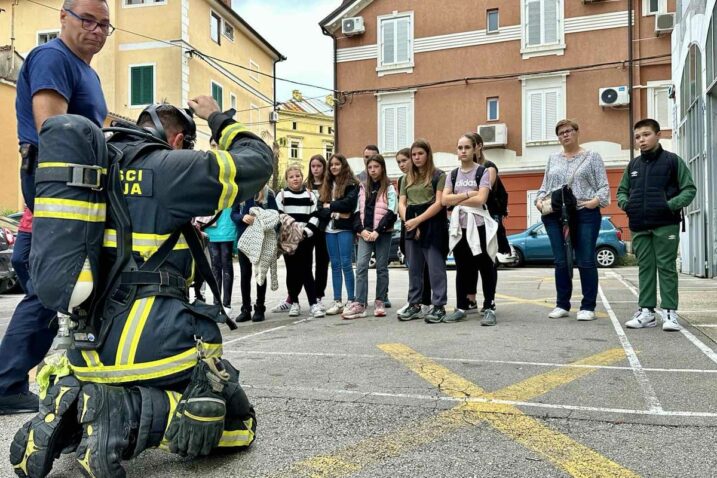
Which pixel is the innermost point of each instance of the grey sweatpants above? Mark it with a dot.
(417, 257)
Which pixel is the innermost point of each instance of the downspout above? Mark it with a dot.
(630, 79)
(275, 146)
(336, 100)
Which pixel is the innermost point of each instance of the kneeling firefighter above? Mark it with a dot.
(113, 253)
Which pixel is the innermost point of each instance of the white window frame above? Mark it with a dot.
(487, 23)
(129, 84)
(532, 215)
(225, 24)
(652, 87)
(393, 68)
(45, 32)
(497, 108)
(326, 150)
(143, 5)
(392, 100)
(232, 100)
(543, 83)
(299, 149)
(661, 8)
(557, 48)
(211, 87)
(254, 70)
(212, 16)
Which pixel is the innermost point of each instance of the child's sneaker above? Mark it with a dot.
(411, 312)
(379, 309)
(436, 314)
(295, 310)
(354, 311)
(669, 321)
(643, 318)
(281, 307)
(403, 309)
(317, 311)
(336, 308)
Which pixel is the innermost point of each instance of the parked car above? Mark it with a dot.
(394, 254)
(533, 245)
(8, 277)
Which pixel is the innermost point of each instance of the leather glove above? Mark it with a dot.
(198, 422)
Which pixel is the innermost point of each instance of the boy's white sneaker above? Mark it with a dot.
(643, 318)
(669, 321)
(558, 313)
(295, 310)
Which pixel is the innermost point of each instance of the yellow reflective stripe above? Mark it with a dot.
(147, 370)
(227, 178)
(237, 438)
(228, 135)
(173, 400)
(54, 208)
(203, 419)
(133, 327)
(144, 243)
(55, 164)
(92, 358)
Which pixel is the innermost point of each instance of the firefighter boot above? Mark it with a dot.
(53, 430)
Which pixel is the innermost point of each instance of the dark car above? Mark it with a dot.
(8, 278)
(394, 254)
(533, 245)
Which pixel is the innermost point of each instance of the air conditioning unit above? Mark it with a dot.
(352, 26)
(494, 135)
(614, 96)
(664, 23)
(273, 116)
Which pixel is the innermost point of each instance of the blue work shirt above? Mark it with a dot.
(55, 67)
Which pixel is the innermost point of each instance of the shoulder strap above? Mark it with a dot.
(454, 176)
(434, 180)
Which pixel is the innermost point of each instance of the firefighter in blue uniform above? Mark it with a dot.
(156, 379)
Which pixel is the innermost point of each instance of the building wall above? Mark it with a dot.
(10, 195)
(307, 131)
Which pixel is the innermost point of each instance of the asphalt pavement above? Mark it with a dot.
(530, 397)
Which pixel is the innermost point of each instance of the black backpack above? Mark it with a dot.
(498, 198)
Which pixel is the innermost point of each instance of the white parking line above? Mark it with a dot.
(244, 337)
(441, 398)
(689, 335)
(648, 392)
(466, 360)
(705, 325)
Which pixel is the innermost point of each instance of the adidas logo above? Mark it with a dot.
(633, 174)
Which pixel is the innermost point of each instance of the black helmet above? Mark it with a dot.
(189, 130)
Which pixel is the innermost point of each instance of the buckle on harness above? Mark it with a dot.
(82, 176)
(163, 278)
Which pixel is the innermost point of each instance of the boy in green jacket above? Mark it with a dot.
(654, 188)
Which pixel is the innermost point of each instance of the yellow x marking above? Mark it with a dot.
(576, 459)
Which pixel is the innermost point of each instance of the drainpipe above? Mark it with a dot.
(274, 146)
(630, 79)
(336, 109)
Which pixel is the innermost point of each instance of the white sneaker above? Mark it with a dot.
(320, 303)
(317, 311)
(295, 310)
(643, 318)
(669, 321)
(586, 315)
(403, 309)
(336, 308)
(281, 307)
(557, 313)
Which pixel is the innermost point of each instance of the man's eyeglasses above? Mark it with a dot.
(91, 25)
(566, 132)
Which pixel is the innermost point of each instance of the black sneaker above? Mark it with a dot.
(259, 311)
(482, 311)
(435, 315)
(245, 314)
(411, 313)
(455, 316)
(472, 306)
(26, 402)
(387, 303)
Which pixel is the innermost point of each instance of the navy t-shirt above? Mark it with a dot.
(55, 67)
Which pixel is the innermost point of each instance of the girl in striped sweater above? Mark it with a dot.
(300, 204)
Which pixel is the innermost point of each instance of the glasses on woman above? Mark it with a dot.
(566, 132)
(91, 25)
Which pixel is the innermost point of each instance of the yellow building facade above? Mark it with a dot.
(10, 195)
(166, 50)
(305, 127)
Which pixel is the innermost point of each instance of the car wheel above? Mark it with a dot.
(605, 257)
(519, 258)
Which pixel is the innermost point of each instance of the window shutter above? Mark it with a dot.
(389, 128)
(147, 85)
(533, 16)
(551, 113)
(402, 39)
(535, 103)
(551, 21)
(402, 140)
(388, 34)
(661, 108)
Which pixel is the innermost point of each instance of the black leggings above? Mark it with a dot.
(245, 268)
(299, 272)
(467, 268)
(221, 254)
(322, 263)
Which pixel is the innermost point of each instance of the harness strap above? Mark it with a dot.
(77, 175)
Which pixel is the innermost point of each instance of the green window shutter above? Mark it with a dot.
(142, 78)
(218, 95)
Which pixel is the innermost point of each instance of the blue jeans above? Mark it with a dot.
(340, 246)
(21, 258)
(584, 233)
(382, 247)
